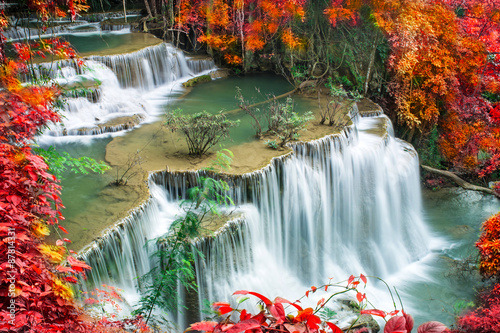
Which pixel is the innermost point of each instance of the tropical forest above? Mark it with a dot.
(250, 166)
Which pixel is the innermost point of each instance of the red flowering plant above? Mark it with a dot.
(275, 317)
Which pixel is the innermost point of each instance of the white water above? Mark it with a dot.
(123, 85)
(342, 205)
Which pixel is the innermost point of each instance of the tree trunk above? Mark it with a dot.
(148, 9)
(155, 12)
(459, 181)
(125, 10)
(370, 65)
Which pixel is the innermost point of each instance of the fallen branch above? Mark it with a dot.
(459, 181)
(263, 102)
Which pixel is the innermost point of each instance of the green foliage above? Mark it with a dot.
(429, 152)
(59, 162)
(271, 144)
(284, 122)
(299, 73)
(461, 306)
(202, 130)
(175, 253)
(327, 314)
(493, 98)
(222, 162)
(340, 102)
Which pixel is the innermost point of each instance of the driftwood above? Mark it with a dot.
(459, 181)
(263, 102)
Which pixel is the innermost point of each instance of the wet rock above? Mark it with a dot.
(197, 80)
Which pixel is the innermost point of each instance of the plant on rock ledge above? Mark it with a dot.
(202, 130)
(175, 252)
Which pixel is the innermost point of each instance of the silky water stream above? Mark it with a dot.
(345, 204)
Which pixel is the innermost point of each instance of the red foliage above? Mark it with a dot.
(274, 318)
(489, 247)
(35, 293)
(235, 26)
(486, 318)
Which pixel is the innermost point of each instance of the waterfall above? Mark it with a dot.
(113, 93)
(147, 68)
(345, 204)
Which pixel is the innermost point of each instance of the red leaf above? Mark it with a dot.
(393, 313)
(62, 228)
(395, 324)
(374, 312)
(36, 269)
(260, 317)
(249, 324)
(360, 297)
(307, 293)
(351, 278)
(225, 309)
(409, 321)
(65, 269)
(282, 300)
(66, 240)
(334, 328)
(432, 327)
(264, 299)
(313, 288)
(244, 315)
(71, 279)
(219, 304)
(207, 326)
(326, 288)
(363, 278)
(77, 263)
(14, 199)
(278, 312)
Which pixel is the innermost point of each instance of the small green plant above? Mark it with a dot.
(129, 170)
(59, 162)
(271, 144)
(252, 112)
(222, 161)
(299, 74)
(285, 123)
(340, 101)
(175, 253)
(202, 130)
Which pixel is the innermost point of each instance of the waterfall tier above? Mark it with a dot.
(120, 86)
(345, 204)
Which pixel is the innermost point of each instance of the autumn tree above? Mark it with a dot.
(35, 277)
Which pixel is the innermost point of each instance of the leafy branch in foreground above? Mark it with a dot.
(202, 130)
(60, 161)
(175, 252)
(274, 317)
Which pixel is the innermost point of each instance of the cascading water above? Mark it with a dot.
(123, 85)
(345, 204)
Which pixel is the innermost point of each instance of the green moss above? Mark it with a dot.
(196, 80)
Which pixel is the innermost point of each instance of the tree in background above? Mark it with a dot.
(443, 62)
